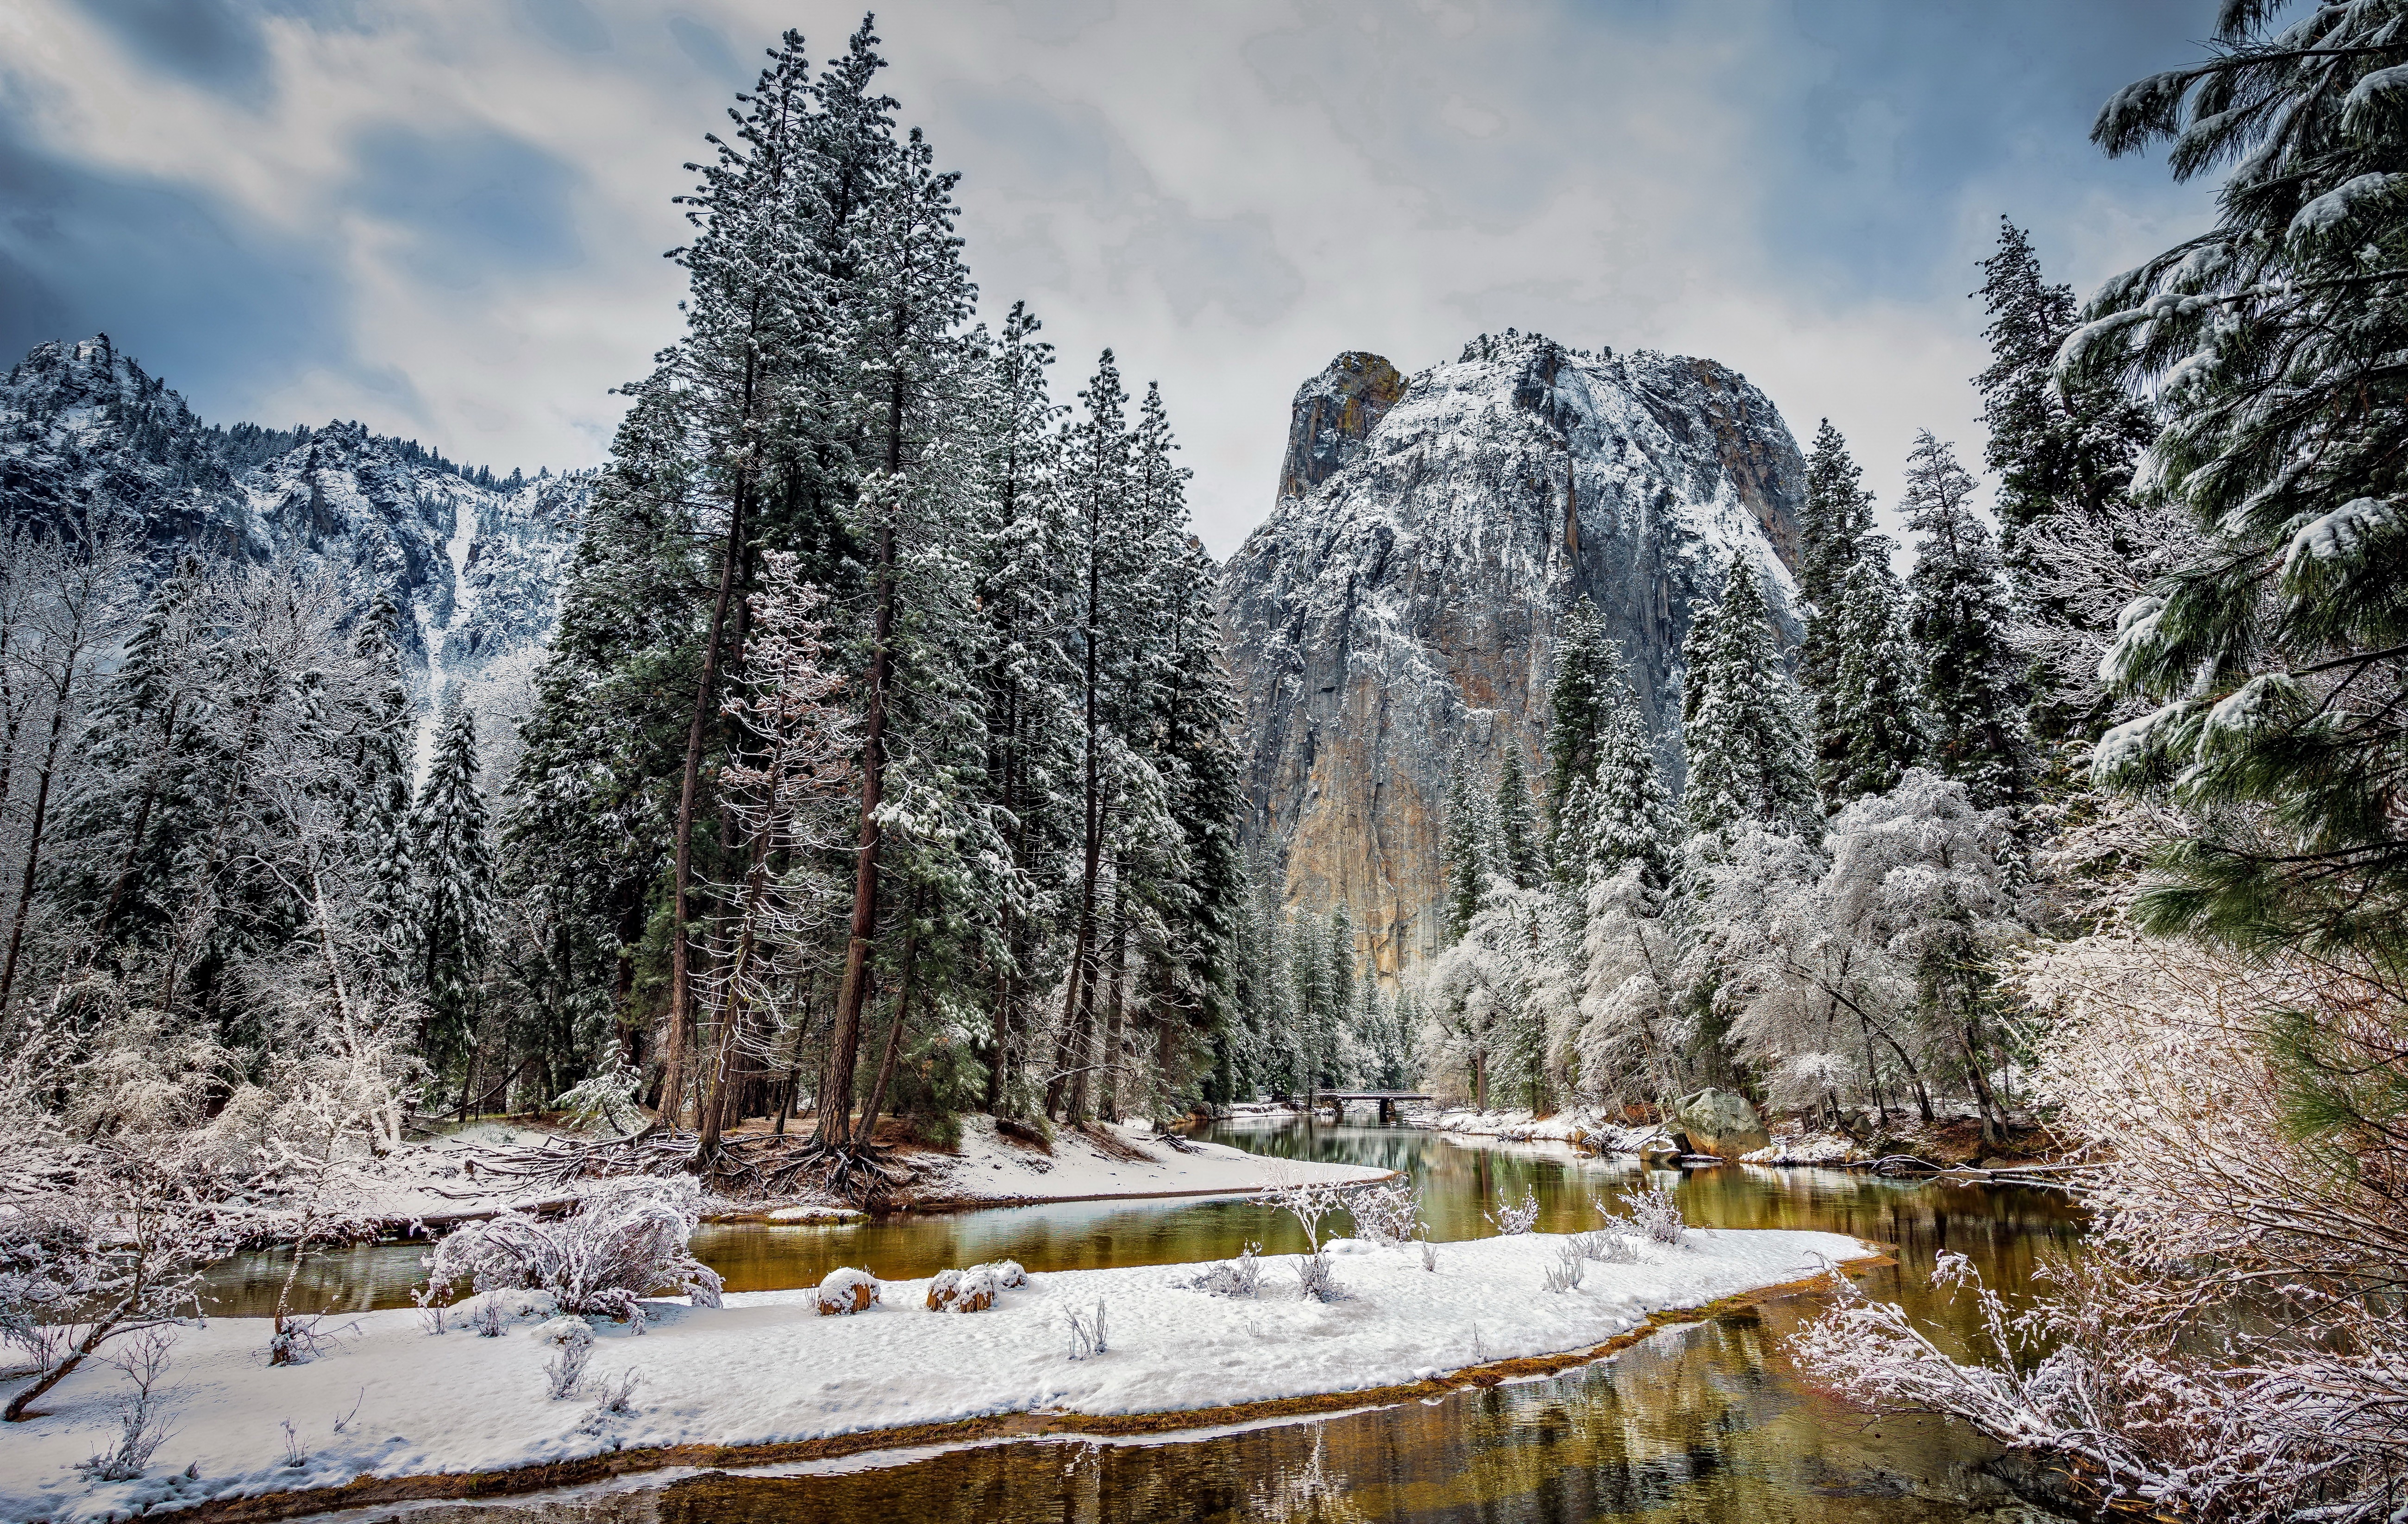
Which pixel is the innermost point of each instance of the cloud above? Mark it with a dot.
(205, 42)
(448, 219)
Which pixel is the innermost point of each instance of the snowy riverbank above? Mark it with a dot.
(994, 1168)
(1581, 1127)
(392, 1401)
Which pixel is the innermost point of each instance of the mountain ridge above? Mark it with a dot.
(84, 429)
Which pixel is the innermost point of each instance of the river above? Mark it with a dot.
(1704, 1422)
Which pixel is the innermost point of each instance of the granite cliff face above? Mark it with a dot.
(1399, 608)
(474, 564)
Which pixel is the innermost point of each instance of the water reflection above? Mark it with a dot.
(1705, 1422)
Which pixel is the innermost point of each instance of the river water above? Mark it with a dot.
(1704, 1422)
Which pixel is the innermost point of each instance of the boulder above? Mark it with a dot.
(1721, 1122)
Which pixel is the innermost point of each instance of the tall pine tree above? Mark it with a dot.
(1959, 621)
(1873, 726)
(1740, 719)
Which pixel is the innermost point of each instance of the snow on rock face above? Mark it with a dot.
(84, 427)
(1403, 609)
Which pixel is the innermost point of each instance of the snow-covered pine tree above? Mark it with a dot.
(2276, 656)
(1740, 719)
(1633, 820)
(1468, 853)
(2056, 448)
(1032, 729)
(449, 918)
(911, 515)
(1957, 618)
(377, 780)
(1577, 704)
(1832, 526)
(1095, 484)
(1873, 726)
(1519, 846)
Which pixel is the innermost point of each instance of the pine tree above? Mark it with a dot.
(1587, 665)
(2276, 658)
(2055, 448)
(451, 900)
(1875, 727)
(1467, 852)
(1518, 844)
(1741, 721)
(1838, 513)
(1958, 623)
(1833, 524)
(1634, 820)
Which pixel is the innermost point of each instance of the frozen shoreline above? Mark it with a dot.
(766, 1370)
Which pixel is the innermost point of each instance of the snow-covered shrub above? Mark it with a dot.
(614, 1399)
(434, 1308)
(1087, 1335)
(121, 1253)
(1387, 1214)
(1513, 1217)
(1239, 1277)
(1316, 1278)
(1429, 1254)
(1606, 1245)
(565, 1369)
(1009, 1276)
(615, 1249)
(1570, 1266)
(845, 1292)
(970, 1290)
(1656, 1215)
(562, 1331)
(142, 1426)
(489, 1317)
(606, 1103)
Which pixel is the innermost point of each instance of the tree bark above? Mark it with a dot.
(903, 992)
(34, 836)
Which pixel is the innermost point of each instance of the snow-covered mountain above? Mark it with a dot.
(1398, 608)
(473, 562)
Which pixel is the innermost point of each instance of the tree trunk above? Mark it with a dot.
(33, 834)
(1108, 1074)
(877, 1102)
(672, 1110)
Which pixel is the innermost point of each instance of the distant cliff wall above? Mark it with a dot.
(1399, 608)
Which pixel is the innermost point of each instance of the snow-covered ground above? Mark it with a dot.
(992, 1167)
(395, 1401)
(1810, 1148)
(1584, 1127)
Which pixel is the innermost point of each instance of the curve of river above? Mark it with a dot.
(1704, 1422)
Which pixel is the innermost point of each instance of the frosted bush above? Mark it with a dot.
(1657, 1214)
(845, 1292)
(1514, 1218)
(1008, 1275)
(1606, 1245)
(566, 1371)
(488, 1319)
(142, 1426)
(1429, 1254)
(616, 1248)
(1387, 1214)
(1239, 1277)
(604, 1103)
(1086, 1331)
(1316, 1278)
(614, 1399)
(1570, 1266)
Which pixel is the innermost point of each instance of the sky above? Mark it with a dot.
(447, 220)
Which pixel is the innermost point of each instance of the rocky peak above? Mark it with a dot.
(1331, 415)
(1396, 614)
(473, 562)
